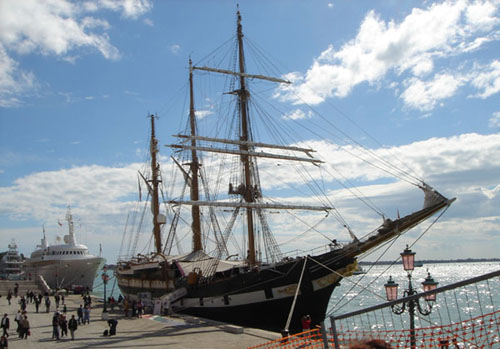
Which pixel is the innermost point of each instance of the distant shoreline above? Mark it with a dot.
(434, 261)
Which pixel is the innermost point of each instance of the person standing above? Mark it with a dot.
(37, 303)
(306, 323)
(55, 326)
(73, 326)
(25, 328)
(47, 304)
(79, 312)
(16, 288)
(139, 309)
(5, 325)
(9, 295)
(22, 302)
(4, 343)
(86, 315)
(63, 323)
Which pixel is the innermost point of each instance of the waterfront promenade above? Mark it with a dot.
(149, 331)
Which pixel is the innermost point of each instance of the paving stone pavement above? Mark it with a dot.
(149, 331)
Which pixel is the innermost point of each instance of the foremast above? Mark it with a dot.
(194, 167)
(153, 184)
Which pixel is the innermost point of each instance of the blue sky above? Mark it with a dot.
(78, 78)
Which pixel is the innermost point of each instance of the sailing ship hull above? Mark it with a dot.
(264, 295)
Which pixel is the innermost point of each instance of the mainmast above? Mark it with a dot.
(194, 166)
(244, 136)
(155, 203)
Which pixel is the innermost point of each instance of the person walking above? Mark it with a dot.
(5, 325)
(73, 326)
(25, 328)
(4, 343)
(9, 295)
(16, 289)
(55, 326)
(79, 312)
(18, 319)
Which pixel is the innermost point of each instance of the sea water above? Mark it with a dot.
(464, 303)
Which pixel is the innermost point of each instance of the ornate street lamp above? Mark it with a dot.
(391, 290)
(429, 284)
(105, 279)
(408, 259)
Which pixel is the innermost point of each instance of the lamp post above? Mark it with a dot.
(391, 290)
(105, 279)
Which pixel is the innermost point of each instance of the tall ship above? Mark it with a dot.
(235, 270)
(11, 262)
(67, 265)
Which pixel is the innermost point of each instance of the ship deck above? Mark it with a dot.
(151, 331)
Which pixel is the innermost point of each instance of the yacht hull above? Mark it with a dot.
(65, 273)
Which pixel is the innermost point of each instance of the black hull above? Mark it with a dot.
(273, 315)
(262, 298)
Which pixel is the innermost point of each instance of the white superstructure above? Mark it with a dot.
(11, 262)
(67, 265)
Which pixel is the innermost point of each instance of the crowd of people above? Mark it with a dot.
(61, 321)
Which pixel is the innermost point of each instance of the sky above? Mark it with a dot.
(78, 78)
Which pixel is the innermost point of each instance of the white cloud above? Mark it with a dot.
(490, 193)
(200, 114)
(128, 8)
(53, 28)
(424, 95)
(295, 115)
(487, 79)
(175, 49)
(494, 120)
(410, 48)
(13, 81)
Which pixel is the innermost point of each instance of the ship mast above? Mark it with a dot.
(194, 166)
(244, 136)
(155, 203)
